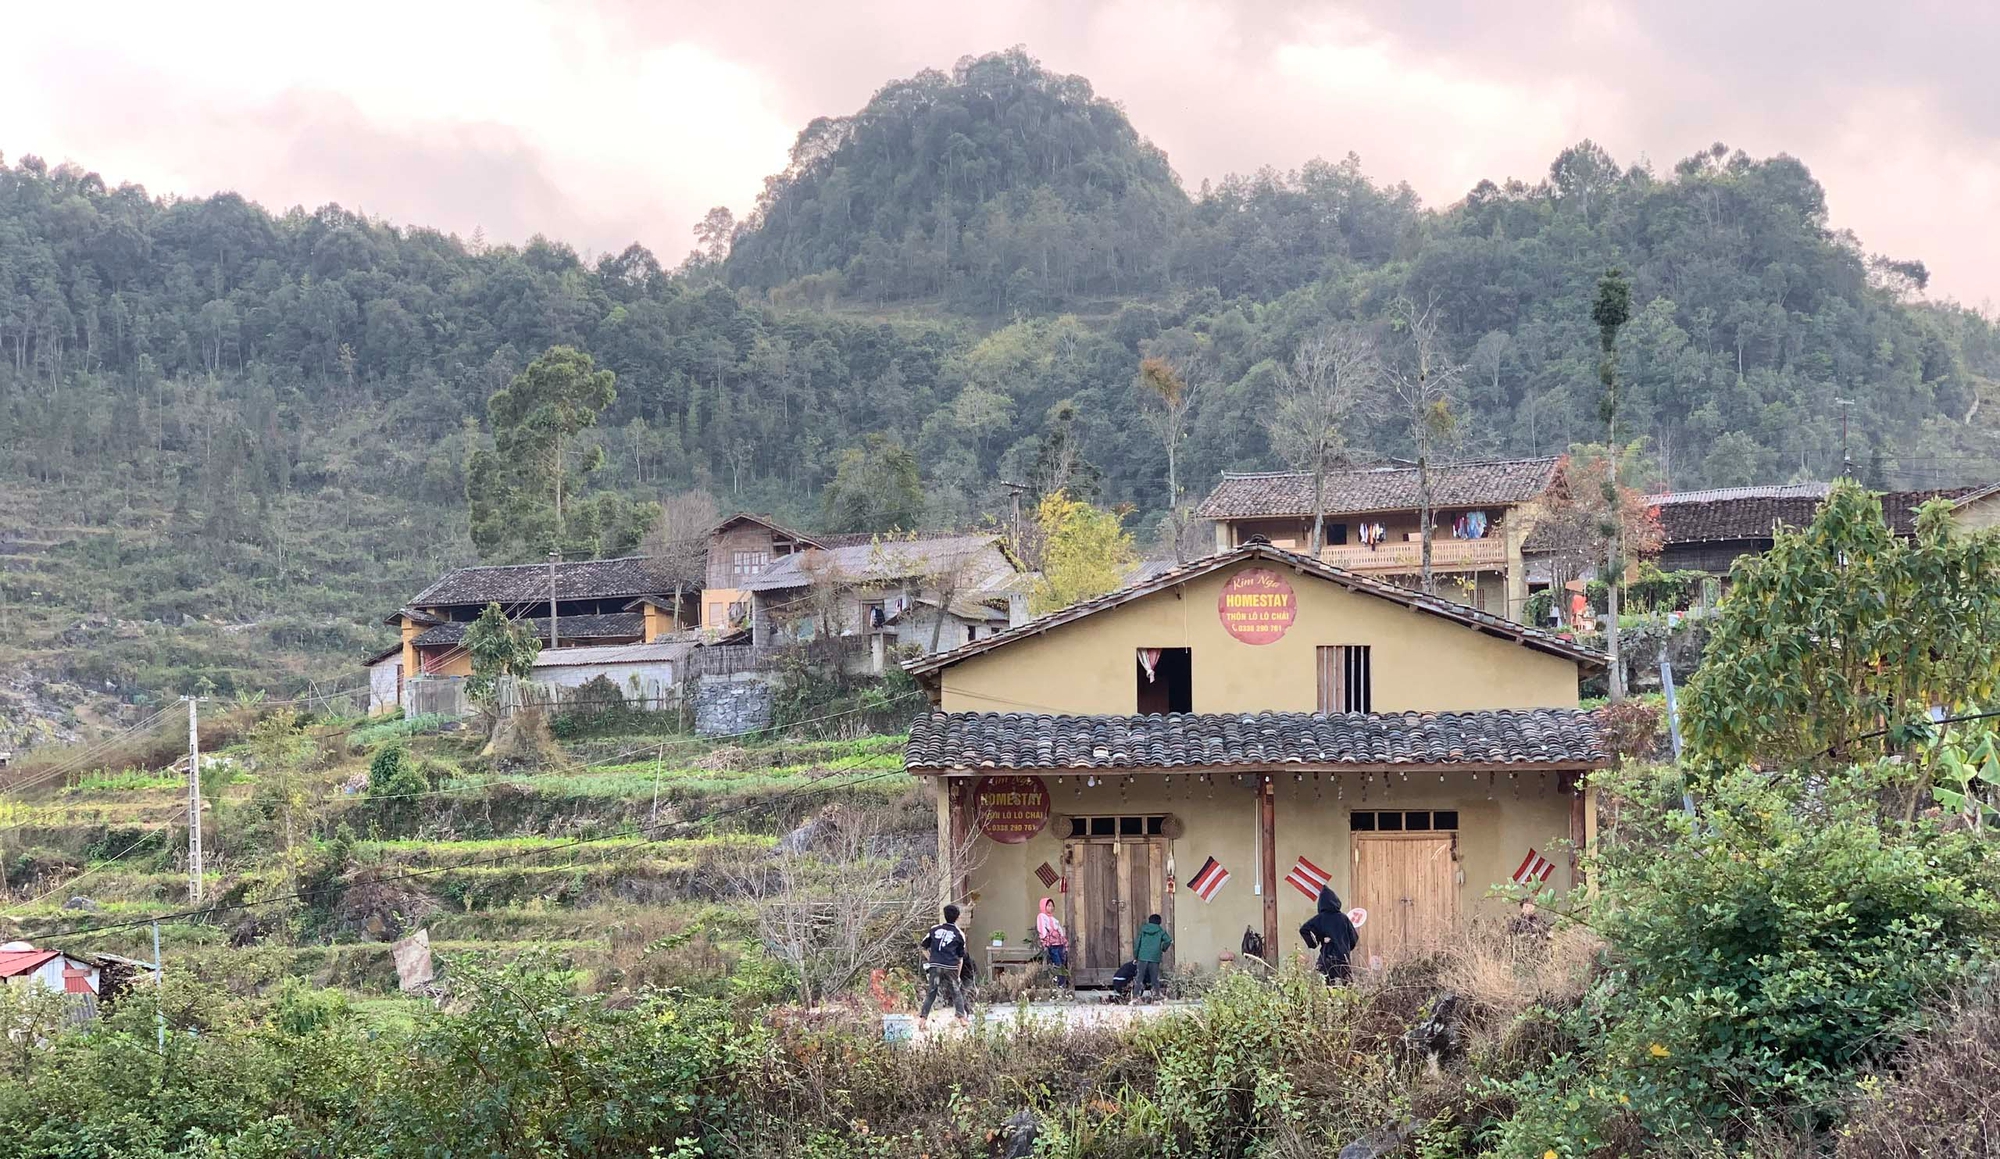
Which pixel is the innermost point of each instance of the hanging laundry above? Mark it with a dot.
(1475, 525)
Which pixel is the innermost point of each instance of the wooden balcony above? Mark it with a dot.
(1447, 554)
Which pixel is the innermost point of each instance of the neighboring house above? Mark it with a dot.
(598, 604)
(634, 622)
(1482, 514)
(1979, 509)
(924, 593)
(741, 548)
(22, 964)
(1263, 715)
(1710, 530)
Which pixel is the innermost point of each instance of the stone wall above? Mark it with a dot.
(731, 705)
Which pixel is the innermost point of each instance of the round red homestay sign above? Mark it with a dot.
(1011, 809)
(1257, 606)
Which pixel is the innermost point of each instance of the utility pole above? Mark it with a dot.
(1014, 491)
(1844, 404)
(194, 804)
(554, 556)
(159, 983)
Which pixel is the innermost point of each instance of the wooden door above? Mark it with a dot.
(1113, 886)
(1408, 883)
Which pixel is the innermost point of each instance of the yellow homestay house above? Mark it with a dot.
(1212, 742)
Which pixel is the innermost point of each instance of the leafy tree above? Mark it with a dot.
(1611, 311)
(498, 646)
(1084, 552)
(1833, 646)
(527, 492)
(876, 487)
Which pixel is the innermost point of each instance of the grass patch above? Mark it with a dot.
(127, 781)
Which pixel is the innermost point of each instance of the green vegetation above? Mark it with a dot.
(221, 427)
(1085, 552)
(1835, 646)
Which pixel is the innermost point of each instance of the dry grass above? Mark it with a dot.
(1504, 974)
(1940, 1101)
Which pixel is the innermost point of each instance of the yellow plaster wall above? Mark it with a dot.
(1980, 515)
(710, 597)
(456, 661)
(1497, 826)
(1420, 661)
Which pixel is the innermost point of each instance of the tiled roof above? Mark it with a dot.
(1536, 638)
(1534, 738)
(889, 559)
(527, 583)
(1900, 507)
(1287, 493)
(604, 626)
(1814, 491)
(1746, 513)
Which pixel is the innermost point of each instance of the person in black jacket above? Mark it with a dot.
(944, 964)
(1332, 933)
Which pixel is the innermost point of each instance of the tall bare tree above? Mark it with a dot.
(843, 895)
(1329, 383)
(678, 540)
(1170, 392)
(1426, 384)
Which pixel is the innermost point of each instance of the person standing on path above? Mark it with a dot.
(944, 965)
(1332, 933)
(1147, 949)
(1055, 942)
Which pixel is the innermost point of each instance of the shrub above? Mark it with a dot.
(1631, 728)
(1757, 960)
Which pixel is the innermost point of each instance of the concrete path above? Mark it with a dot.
(1089, 1010)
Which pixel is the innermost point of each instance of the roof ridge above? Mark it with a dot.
(1526, 634)
(1393, 467)
(546, 563)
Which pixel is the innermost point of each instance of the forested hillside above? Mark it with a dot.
(261, 421)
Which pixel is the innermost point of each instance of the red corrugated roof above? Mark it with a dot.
(14, 963)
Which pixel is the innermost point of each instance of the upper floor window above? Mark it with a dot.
(1165, 681)
(1346, 679)
(744, 564)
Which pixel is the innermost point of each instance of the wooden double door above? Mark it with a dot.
(1408, 883)
(1114, 884)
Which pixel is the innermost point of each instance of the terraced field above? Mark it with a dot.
(619, 857)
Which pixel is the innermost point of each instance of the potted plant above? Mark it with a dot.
(998, 938)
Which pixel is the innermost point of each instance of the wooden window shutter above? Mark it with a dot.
(1332, 678)
(1345, 678)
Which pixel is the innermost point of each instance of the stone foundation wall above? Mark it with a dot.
(729, 705)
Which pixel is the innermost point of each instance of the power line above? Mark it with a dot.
(91, 752)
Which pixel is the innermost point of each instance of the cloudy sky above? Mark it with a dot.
(602, 123)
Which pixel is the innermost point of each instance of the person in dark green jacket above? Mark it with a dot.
(1148, 948)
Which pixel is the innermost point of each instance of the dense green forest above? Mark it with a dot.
(261, 422)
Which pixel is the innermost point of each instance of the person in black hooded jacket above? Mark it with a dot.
(1332, 934)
